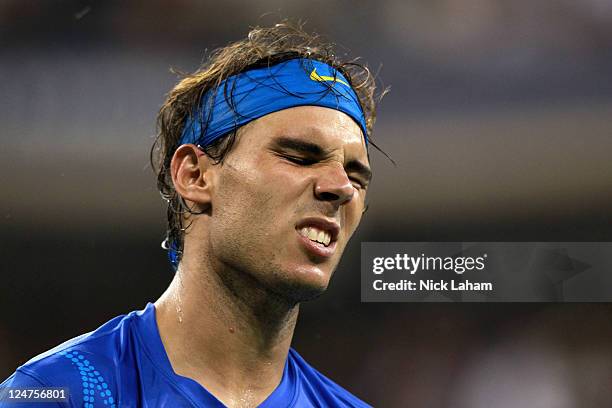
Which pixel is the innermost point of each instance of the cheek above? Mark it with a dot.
(232, 196)
(238, 181)
(246, 194)
(354, 211)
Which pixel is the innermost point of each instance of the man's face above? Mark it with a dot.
(288, 197)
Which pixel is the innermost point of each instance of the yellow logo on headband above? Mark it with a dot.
(322, 78)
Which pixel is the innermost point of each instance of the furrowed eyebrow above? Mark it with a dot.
(299, 146)
(315, 150)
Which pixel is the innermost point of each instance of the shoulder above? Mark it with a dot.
(87, 365)
(321, 388)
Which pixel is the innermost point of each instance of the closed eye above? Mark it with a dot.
(302, 161)
(358, 184)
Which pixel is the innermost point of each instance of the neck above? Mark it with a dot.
(226, 331)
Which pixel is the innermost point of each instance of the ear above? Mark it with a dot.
(191, 172)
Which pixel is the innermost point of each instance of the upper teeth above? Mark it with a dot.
(314, 234)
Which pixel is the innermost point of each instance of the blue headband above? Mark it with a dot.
(252, 94)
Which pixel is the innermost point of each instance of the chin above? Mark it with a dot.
(303, 284)
(301, 293)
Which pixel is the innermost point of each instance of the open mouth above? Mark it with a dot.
(319, 235)
(316, 235)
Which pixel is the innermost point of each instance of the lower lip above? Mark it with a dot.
(318, 249)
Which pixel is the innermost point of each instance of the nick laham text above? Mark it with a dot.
(430, 284)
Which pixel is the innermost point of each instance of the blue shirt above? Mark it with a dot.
(124, 364)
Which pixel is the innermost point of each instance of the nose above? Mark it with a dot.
(334, 186)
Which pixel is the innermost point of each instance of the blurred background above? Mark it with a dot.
(499, 119)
